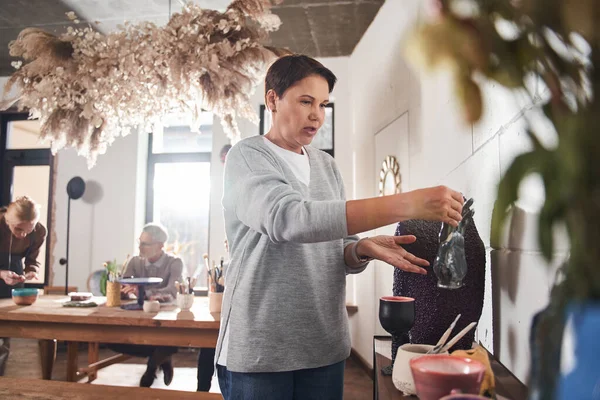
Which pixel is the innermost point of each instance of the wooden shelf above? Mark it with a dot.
(507, 385)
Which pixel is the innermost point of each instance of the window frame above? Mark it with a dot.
(163, 158)
(175, 158)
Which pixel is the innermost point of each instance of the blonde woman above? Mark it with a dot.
(21, 237)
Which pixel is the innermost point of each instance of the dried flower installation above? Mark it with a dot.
(88, 88)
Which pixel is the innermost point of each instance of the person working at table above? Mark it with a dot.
(21, 237)
(153, 262)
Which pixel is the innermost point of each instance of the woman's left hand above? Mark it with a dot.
(389, 249)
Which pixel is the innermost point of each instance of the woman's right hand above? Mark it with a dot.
(11, 278)
(438, 203)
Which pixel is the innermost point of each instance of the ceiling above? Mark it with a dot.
(320, 28)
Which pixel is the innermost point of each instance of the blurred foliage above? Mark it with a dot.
(545, 49)
(534, 46)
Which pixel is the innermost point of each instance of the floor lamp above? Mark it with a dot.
(75, 189)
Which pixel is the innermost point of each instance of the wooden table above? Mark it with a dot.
(507, 385)
(35, 389)
(48, 321)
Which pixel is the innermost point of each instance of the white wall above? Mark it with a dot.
(444, 150)
(103, 221)
(391, 140)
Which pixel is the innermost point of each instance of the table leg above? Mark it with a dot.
(47, 357)
(93, 349)
(375, 372)
(72, 364)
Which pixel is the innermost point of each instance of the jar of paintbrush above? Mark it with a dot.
(216, 286)
(185, 293)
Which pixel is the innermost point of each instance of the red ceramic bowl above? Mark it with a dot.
(437, 375)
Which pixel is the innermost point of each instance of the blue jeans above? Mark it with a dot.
(323, 383)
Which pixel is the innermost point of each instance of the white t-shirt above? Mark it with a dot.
(300, 166)
(298, 163)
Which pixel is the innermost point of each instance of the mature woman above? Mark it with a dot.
(284, 328)
(21, 237)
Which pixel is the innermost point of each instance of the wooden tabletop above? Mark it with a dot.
(48, 308)
(34, 389)
(507, 385)
(48, 319)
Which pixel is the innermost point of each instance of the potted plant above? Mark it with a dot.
(555, 43)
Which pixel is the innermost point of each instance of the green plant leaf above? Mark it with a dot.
(551, 212)
(508, 188)
(103, 280)
(537, 145)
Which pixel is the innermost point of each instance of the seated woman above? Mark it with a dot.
(21, 237)
(153, 262)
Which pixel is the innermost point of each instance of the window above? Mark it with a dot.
(178, 188)
(27, 169)
(324, 140)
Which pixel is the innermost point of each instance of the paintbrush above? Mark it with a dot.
(205, 256)
(458, 336)
(446, 334)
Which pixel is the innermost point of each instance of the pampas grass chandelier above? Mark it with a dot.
(89, 88)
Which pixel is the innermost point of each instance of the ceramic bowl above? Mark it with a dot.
(24, 296)
(80, 296)
(185, 301)
(436, 375)
(151, 306)
(402, 375)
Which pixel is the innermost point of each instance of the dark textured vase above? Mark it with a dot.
(436, 308)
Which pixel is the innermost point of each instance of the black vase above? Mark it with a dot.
(436, 308)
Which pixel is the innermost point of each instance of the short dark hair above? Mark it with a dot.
(288, 70)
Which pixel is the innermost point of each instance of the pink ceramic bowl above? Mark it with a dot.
(461, 396)
(437, 375)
